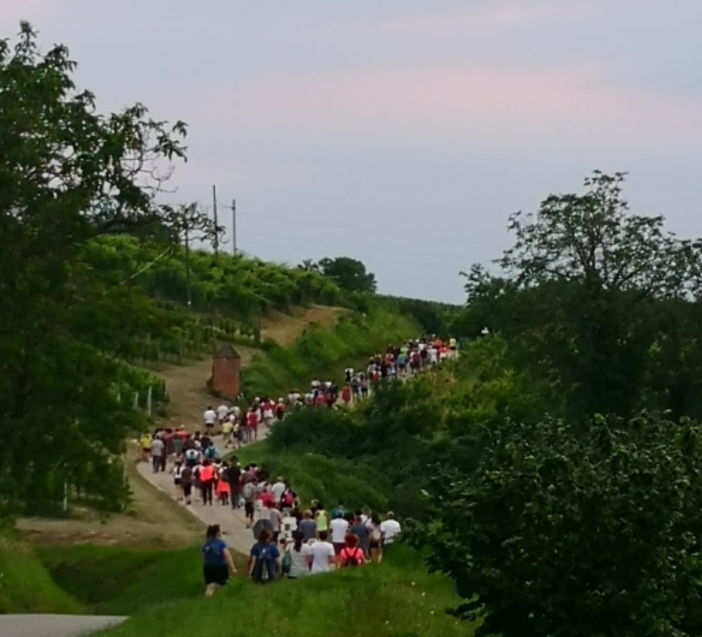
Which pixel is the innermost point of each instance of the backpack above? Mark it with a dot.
(286, 563)
(248, 491)
(262, 567)
(352, 559)
(287, 499)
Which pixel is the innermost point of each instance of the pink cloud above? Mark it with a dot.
(462, 104)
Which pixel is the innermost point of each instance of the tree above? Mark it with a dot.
(349, 274)
(556, 534)
(582, 284)
(68, 175)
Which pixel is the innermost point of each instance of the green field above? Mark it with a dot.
(396, 598)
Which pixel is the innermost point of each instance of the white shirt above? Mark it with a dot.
(298, 560)
(390, 529)
(236, 411)
(277, 490)
(339, 527)
(209, 417)
(222, 412)
(321, 553)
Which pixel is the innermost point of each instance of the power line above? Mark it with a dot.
(375, 258)
(365, 230)
(378, 249)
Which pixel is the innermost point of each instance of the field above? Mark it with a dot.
(392, 599)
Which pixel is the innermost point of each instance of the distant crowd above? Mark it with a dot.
(291, 541)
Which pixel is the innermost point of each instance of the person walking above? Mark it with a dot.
(217, 561)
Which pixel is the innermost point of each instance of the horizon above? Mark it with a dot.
(402, 135)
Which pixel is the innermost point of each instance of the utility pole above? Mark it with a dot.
(234, 248)
(214, 205)
(187, 268)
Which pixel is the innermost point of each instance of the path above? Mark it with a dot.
(232, 523)
(187, 386)
(55, 625)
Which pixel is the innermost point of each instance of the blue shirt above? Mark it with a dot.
(213, 553)
(265, 555)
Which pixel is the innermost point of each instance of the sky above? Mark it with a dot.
(399, 132)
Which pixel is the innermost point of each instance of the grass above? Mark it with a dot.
(325, 352)
(397, 598)
(118, 580)
(318, 477)
(26, 586)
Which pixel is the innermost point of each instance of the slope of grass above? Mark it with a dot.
(318, 477)
(325, 353)
(395, 599)
(118, 580)
(26, 586)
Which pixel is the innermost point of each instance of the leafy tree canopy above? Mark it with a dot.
(585, 291)
(556, 534)
(68, 174)
(349, 274)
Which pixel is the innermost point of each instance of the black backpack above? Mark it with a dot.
(262, 567)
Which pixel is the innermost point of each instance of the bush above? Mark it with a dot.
(557, 534)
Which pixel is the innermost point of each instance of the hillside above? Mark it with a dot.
(164, 592)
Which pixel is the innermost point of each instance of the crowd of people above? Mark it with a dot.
(319, 542)
(315, 540)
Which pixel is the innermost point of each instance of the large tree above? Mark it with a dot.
(559, 534)
(349, 274)
(584, 285)
(68, 174)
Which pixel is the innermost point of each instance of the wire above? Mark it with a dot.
(374, 258)
(139, 271)
(382, 249)
(355, 228)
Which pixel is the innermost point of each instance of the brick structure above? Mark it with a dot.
(226, 366)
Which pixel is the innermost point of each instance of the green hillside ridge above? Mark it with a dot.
(394, 598)
(325, 353)
(25, 584)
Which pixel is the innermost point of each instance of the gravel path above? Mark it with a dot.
(54, 625)
(232, 523)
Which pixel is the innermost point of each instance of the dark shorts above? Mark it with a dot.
(338, 547)
(373, 544)
(218, 574)
(176, 481)
(248, 509)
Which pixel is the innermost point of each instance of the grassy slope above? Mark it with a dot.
(318, 477)
(326, 352)
(395, 598)
(26, 586)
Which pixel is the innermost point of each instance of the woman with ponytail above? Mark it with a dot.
(299, 557)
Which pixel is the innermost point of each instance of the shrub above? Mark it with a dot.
(559, 534)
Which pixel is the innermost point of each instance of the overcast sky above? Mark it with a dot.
(401, 132)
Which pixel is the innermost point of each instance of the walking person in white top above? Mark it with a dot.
(323, 557)
(390, 528)
(339, 529)
(209, 418)
(222, 412)
(300, 555)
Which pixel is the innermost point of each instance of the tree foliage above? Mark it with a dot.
(556, 534)
(586, 290)
(349, 274)
(68, 175)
